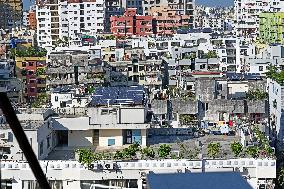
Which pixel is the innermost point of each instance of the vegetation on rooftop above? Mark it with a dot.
(280, 178)
(213, 149)
(28, 52)
(186, 119)
(256, 94)
(236, 148)
(177, 92)
(276, 75)
(40, 100)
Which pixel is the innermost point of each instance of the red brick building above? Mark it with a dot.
(131, 24)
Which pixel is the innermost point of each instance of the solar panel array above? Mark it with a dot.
(104, 96)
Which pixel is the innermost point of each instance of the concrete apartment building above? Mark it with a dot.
(112, 8)
(166, 21)
(214, 18)
(11, 12)
(68, 20)
(247, 14)
(29, 18)
(271, 28)
(132, 174)
(276, 91)
(8, 83)
(138, 4)
(67, 66)
(131, 24)
(31, 71)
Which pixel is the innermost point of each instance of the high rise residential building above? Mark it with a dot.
(177, 7)
(29, 18)
(11, 12)
(247, 14)
(131, 24)
(68, 20)
(134, 4)
(112, 8)
(166, 21)
(271, 27)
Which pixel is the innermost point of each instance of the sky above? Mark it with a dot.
(218, 3)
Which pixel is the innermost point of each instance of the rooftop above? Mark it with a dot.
(105, 96)
(213, 180)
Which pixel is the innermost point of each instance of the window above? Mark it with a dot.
(260, 68)
(88, 5)
(89, 24)
(219, 87)
(56, 98)
(104, 112)
(32, 90)
(41, 148)
(48, 142)
(24, 64)
(111, 142)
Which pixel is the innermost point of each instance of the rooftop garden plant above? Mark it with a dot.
(274, 74)
(213, 149)
(256, 94)
(28, 52)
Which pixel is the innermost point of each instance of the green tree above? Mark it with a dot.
(118, 155)
(164, 150)
(213, 149)
(253, 151)
(280, 178)
(237, 148)
(148, 152)
(133, 149)
(86, 156)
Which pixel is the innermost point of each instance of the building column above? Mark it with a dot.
(140, 183)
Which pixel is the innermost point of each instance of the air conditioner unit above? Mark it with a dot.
(6, 157)
(179, 170)
(108, 166)
(143, 174)
(4, 136)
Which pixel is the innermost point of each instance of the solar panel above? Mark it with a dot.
(118, 95)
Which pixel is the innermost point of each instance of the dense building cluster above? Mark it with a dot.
(128, 93)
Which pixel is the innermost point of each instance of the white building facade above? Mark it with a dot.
(131, 174)
(247, 14)
(68, 21)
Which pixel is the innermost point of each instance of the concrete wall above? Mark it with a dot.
(257, 106)
(184, 107)
(45, 133)
(159, 106)
(205, 89)
(80, 138)
(132, 115)
(110, 134)
(222, 105)
(71, 123)
(60, 98)
(97, 116)
(237, 90)
(275, 94)
(257, 84)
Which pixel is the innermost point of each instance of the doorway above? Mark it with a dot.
(62, 138)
